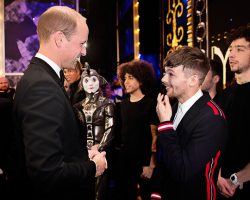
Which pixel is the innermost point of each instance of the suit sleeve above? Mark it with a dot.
(42, 114)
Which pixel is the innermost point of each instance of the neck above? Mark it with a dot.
(212, 92)
(243, 77)
(136, 96)
(48, 51)
(188, 95)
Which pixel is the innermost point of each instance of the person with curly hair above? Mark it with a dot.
(234, 101)
(138, 121)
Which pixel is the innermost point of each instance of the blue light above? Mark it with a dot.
(231, 19)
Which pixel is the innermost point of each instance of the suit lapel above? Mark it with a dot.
(53, 74)
(191, 114)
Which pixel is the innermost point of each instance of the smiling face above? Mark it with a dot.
(90, 84)
(72, 75)
(176, 82)
(76, 47)
(239, 57)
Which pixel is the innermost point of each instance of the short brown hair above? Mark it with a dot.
(141, 70)
(57, 18)
(191, 58)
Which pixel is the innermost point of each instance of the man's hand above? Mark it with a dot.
(93, 153)
(223, 186)
(163, 108)
(95, 147)
(101, 163)
(147, 172)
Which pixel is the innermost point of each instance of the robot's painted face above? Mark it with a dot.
(90, 84)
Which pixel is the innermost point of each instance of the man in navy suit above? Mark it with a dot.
(192, 134)
(54, 162)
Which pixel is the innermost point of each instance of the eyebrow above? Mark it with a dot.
(243, 46)
(168, 69)
(128, 76)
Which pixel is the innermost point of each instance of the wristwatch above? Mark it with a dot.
(233, 179)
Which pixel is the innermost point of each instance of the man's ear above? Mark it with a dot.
(58, 38)
(193, 80)
(216, 78)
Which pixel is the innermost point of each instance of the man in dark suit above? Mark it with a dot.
(192, 134)
(54, 162)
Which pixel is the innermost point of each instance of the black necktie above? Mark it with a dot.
(62, 77)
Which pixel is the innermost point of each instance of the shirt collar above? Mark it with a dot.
(187, 104)
(54, 66)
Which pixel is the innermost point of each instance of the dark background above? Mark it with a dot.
(224, 16)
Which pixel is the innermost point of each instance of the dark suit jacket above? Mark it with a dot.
(191, 155)
(53, 158)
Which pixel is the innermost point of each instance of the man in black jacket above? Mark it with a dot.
(192, 134)
(54, 162)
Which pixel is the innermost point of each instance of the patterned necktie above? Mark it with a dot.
(62, 77)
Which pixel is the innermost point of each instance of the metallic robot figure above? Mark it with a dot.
(98, 114)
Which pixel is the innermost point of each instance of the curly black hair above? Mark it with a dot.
(141, 70)
(241, 32)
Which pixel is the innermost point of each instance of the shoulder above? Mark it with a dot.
(109, 102)
(125, 101)
(214, 109)
(207, 107)
(229, 90)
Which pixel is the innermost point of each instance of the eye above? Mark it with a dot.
(239, 49)
(86, 80)
(83, 44)
(94, 79)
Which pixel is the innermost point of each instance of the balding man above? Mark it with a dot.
(5, 90)
(54, 162)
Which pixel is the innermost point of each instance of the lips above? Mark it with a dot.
(232, 62)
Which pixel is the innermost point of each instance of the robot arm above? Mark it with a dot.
(110, 122)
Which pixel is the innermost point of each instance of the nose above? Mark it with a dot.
(126, 81)
(231, 54)
(83, 51)
(164, 79)
(66, 74)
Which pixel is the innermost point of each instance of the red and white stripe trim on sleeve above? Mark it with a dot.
(165, 126)
(155, 196)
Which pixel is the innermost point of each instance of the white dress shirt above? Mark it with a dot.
(54, 66)
(183, 108)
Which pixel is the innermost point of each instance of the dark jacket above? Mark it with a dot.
(53, 158)
(191, 155)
